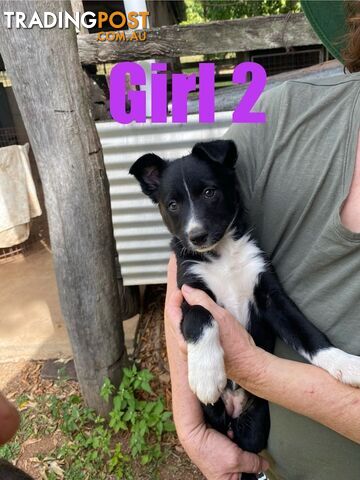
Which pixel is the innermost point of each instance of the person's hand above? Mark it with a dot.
(9, 420)
(241, 355)
(216, 456)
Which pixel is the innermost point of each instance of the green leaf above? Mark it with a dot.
(159, 428)
(159, 408)
(146, 386)
(117, 403)
(149, 407)
(127, 416)
(145, 459)
(166, 416)
(131, 401)
(169, 426)
(107, 389)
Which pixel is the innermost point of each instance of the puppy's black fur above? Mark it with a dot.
(200, 201)
(10, 472)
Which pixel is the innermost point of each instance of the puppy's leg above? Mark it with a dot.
(206, 367)
(10, 472)
(297, 331)
(217, 417)
(341, 365)
(230, 405)
(251, 429)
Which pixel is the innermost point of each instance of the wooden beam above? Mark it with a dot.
(48, 82)
(256, 33)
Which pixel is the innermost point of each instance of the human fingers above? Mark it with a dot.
(194, 296)
(218, 457)
(237, 344)
(251, 463)
(228, 324)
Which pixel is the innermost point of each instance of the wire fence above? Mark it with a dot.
(8, 137)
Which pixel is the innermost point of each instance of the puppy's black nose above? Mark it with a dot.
(198, 236)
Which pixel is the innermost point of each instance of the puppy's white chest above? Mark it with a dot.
(233, 274)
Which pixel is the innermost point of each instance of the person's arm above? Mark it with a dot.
(300, 387)
(9, 420)
(216, 456)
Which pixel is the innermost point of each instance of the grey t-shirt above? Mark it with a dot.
(295, 172)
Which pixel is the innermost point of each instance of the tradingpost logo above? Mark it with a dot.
(116, 20)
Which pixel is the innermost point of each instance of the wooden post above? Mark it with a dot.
(44, 67)
(129, 296)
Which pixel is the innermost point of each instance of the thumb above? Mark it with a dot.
(173, 317)
(251, 463)
(194, 296)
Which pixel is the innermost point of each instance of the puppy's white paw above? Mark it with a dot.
(207, 377)
(341, 365)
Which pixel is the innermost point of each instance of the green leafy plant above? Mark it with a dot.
(92, 446)
(199, 11)
(145, 419)
(10, 451)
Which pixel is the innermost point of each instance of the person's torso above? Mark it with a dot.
(295, 209)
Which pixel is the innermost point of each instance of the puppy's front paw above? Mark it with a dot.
(341, 365)
(207, 377)
(207, 383)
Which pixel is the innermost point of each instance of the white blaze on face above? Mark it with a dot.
(192, 223)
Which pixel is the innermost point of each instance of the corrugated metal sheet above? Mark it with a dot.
(142, 240)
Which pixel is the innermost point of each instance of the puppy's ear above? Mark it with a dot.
(221, 151)
(148, 170)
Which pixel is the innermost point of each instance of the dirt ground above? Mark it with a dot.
(17, 379)
(31, 324)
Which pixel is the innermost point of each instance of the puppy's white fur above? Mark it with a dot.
(207, 377)
(233, 274)
(341, 365)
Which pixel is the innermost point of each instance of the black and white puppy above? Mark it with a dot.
(200, 201)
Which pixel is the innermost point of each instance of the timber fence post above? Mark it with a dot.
(48, 82)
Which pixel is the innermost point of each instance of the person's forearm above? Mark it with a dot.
(303, 388)
(307, 390)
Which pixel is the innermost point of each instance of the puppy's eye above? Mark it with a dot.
(209, 192)
(172, 206)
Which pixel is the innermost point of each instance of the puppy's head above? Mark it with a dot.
(197, 195)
